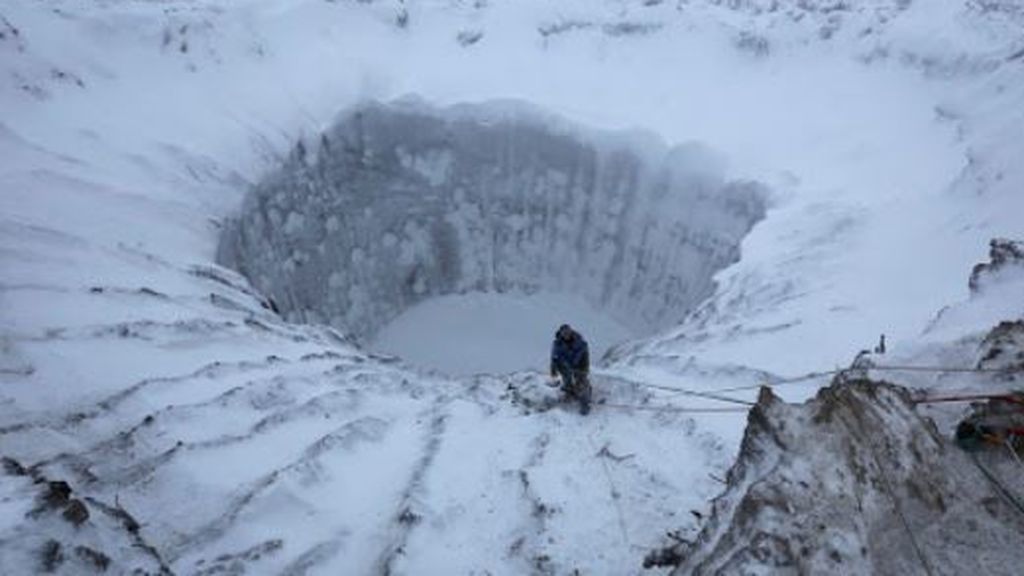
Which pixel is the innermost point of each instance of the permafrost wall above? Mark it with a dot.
(402, 202)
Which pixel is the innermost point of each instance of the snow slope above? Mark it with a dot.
(163, 391)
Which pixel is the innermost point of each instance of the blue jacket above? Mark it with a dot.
(573, 354)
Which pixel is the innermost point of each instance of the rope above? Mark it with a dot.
(707, 395)
(887, 485)
(685, 391)
(1009, 497)
(614, 493)
(807, 377)
(899, 510)
(674, 408)
(1013, 452)
(969, 397)
(779, 382)
(905, 368)
(900, 368)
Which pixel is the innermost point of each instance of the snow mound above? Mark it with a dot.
(1003, 348)
(995, 286)
(854, 482)
(1006, 257)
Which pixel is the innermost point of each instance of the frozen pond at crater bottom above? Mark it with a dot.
(493, 333)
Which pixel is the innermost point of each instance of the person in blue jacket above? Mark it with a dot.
(570, 359)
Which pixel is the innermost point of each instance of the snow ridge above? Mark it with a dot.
(854, 481)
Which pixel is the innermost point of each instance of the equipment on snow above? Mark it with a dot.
(997, 422)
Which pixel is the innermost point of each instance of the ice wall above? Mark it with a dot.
(401, 202)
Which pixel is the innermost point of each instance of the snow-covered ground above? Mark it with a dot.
(487, 333)
(161, 388)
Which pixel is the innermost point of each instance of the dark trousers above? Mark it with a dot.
(576, 386)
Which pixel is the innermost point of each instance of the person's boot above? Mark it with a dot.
(585, 403)
(585, 392)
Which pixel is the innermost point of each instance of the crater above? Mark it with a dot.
(403, 203)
